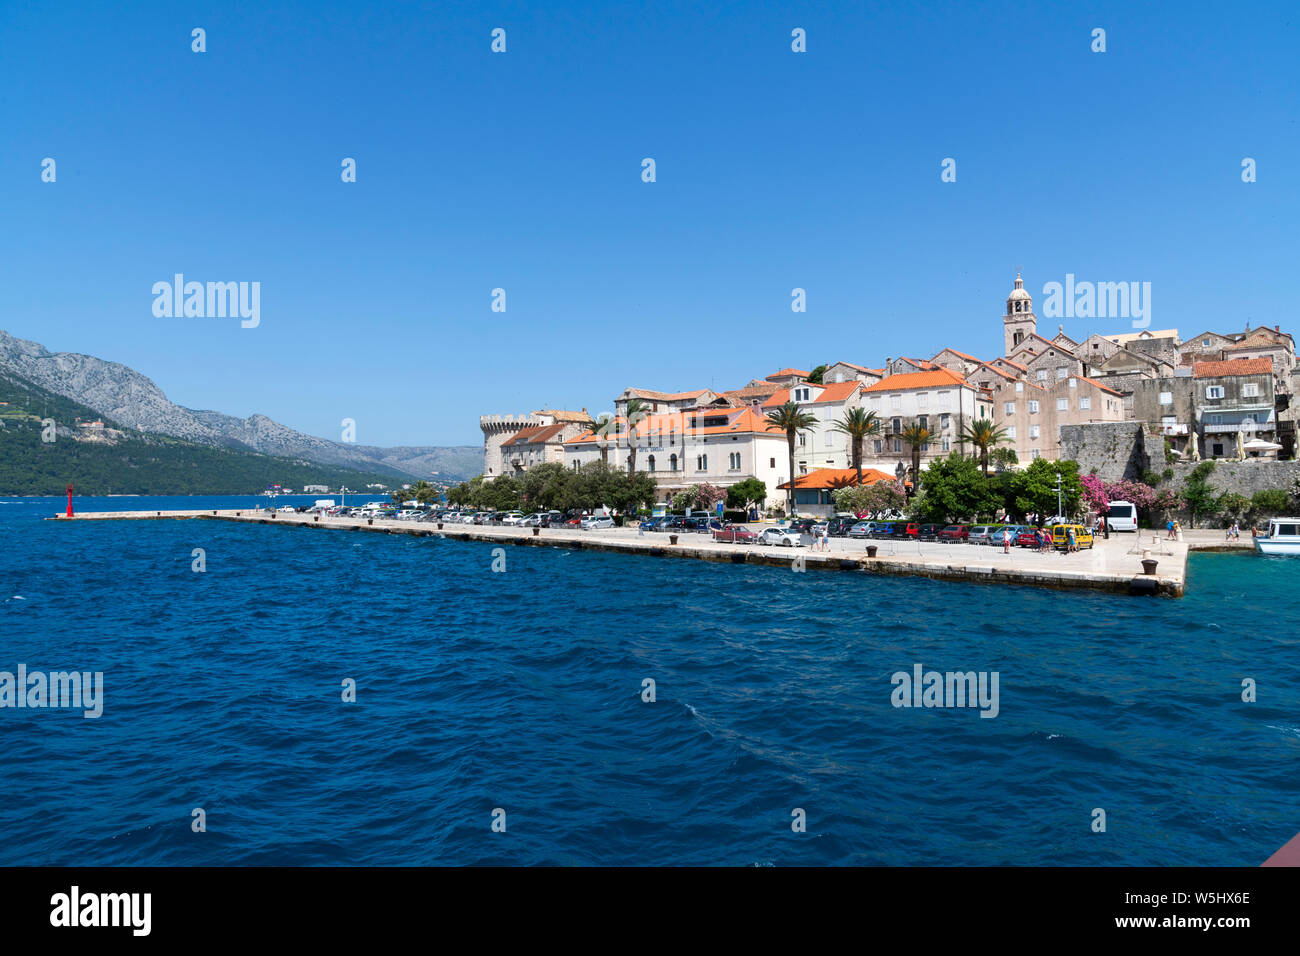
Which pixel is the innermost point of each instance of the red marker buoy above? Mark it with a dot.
(69, 500)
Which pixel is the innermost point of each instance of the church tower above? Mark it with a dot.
(1019, 322)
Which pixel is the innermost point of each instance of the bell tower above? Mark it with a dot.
(1019, 322)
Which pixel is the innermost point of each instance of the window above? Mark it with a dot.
(1033, 431)
(895, 401)
(1074, 383)
(1009, 408)
(1205, 343)
(1035, 453)
(898, 426)
(803, 439)
(1042, 375)
(1250, 390)
(945, 421)
(1061, 372)
(898, 444)
(923, 421)
(672, 462)
(702, 462)
(879, 445)
(650, 463)
(1166, 398)
(1020, 386)
(1218, 450)
(921, 399)
(1062, 404)
(771, 463)
(801, 394)
(1033, 407)
(945, 400)
(733, 460)
(1214, 391)
(1011, 432)
(1085, 402)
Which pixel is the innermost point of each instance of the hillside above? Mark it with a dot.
(118, 460)
(114, 391)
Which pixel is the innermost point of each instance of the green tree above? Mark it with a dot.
(985, 436)
(637, 412)
(789, 419)
(815, 376)
(1270, 501)
(917, 438)
(955, 489)
(605, 423)
(1232, 505)
(751, 491)
(1199, 498)
(1034, 489)
(1003, 458)
(858, 425)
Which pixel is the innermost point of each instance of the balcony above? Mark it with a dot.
(1234, 427)
(1173, 428)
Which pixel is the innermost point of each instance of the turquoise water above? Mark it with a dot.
(522, 691)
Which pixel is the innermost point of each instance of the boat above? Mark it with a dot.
(1283, 537)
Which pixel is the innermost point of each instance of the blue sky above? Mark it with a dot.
(522, 170)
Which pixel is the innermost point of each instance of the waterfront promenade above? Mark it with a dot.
(1113, 565)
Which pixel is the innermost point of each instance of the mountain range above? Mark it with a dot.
(131, 400)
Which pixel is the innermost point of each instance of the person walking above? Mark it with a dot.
(1105, 526)
(1006, 540)
(1170, 528)
(1072, 544)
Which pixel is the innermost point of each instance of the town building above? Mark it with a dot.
(497, 429)
(940, 400)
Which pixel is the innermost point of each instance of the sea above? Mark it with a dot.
(282, 696)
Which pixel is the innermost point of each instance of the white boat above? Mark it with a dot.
(1283, 537)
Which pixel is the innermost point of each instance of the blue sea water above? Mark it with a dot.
(522, 691)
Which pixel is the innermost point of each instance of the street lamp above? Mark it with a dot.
(1058, 496)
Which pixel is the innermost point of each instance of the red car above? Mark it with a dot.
(735, 534)
(911, 530)
(955, 532)
(1026, 539)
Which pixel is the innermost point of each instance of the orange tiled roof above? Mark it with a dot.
(1093, 381)
(959, 354)
(781, 373)
(1256, 366)
(534, 435)
(1023, 368)
(736, 421)
(665, 396)
(935, 378)
(860, 368)
(830, 394)
(838, 478)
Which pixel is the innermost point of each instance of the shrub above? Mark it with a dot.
(1270, 501)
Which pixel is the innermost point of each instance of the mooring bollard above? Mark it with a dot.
(672, 539)
(536, 532)
(439, 525)
(370, 521)
(317, 518)
(871, 550)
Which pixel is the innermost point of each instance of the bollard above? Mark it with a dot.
(536, 532)
(871, 550)
(672, 539)
(439, 525)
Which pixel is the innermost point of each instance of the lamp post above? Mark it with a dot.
(1058, 495)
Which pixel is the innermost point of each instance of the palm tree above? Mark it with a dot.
(917, 437)
(984, 435)
(859, 425)
(605, 423)
(636, 412)
(789, 419)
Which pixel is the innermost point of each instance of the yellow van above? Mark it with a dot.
(1061, 538)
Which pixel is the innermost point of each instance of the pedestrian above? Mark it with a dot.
(1105, 526)
(1006, 540)
(1169, 526)
(1072, 544)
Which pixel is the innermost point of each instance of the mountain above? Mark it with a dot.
(133, 401)
(47, 441)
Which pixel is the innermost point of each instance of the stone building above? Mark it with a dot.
(497, 429)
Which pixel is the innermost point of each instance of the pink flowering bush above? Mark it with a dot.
(1094, 493)
(1134, 492)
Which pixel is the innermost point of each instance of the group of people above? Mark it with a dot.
(1174, 529)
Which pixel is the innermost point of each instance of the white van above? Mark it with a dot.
(1122, 516)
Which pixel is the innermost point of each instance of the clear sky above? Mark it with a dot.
(522, 170)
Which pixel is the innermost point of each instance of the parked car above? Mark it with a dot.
(648, 524)
(955, 532)
(863, 529)
(785, 537)
(673, 523)
(802, 525)
(908, 530)
(1026, 538)
(551, 519)
(982, 534)
(735, 534)
(1061, 540)
(597, 521)
(885, 529)
(573, 522)
(513, 517)
(839, 527)
(929, 532)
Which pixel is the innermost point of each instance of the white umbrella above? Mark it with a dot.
(1259, 444)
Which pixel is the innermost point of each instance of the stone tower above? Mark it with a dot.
(1019, 322)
